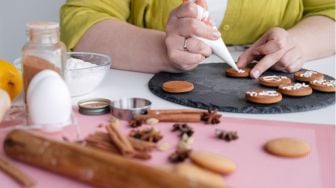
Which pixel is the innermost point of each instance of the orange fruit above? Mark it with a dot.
(10, 79)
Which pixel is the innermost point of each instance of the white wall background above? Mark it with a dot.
(14, 14)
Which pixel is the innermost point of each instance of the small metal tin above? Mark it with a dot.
(126, 109)
(94, 106)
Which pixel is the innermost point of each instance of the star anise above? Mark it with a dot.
(226, 135)
(183, 129)
(179, 156)
(147, 134)
(135, 123)
(211, 117)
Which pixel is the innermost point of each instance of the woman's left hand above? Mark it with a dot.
(276, 49)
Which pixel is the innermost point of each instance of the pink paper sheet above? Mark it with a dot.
(256, 168)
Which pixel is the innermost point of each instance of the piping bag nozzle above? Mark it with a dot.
(218, 47)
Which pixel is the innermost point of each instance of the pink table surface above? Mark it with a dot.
(256, 168)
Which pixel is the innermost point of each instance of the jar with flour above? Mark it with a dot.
(43, 50)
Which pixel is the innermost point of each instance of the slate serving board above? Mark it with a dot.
(213, 88)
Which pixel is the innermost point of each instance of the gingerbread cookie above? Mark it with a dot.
(323, 85)
(307, 76)
(212, 162)
(287, 147)
(241, 73)
(177, 86)
(201, 175)
(296, 90)
(274, 81)
(263, 96)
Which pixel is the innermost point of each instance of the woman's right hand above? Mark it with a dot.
(184, 51)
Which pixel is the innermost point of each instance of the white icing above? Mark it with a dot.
(252, 93)
(295, 86)
(241, 71)
(274, 78)
(328, 83)
(308, 74)
(262, 93)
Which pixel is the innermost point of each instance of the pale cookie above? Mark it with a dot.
(212, 162)
(323, 85)
(241, 73)
(287, 147)
(199, 175)
(263, 96)
(307, 76)
(177, 86)
(274, 80)
(295, 90)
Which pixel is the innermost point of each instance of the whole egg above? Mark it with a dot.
(49, 101)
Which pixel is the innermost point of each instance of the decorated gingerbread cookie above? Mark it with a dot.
(241, 73)
(323, 85)
(296, 90)
(274, 80)
(263, 96)
(307, 76)
(177, 86)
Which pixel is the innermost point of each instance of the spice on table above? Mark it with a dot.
(164, 146)
(10, 169)
(226, 135)
(102, 141)
(183, 129)
(178, 156)
(135, 123)
(183, 150)
(211, 117)
(152, 121)
(149, 134)
(120, 141)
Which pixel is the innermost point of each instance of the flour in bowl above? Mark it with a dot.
(83, 77)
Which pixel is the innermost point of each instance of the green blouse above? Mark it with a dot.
(244, 21)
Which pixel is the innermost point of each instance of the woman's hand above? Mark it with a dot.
(276, 49)
(185, 52)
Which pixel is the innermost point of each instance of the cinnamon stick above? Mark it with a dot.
(174, 111)
(91, 166)
(141, 145)
(119, 140)
(171, 117)
(16, 173)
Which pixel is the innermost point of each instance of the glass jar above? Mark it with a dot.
(43, 50)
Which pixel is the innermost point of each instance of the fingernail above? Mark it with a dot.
(255, 74)
(216, 34)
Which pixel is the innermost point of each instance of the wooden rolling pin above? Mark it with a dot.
(89, 165)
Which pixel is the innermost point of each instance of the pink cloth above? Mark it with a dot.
(255, 167)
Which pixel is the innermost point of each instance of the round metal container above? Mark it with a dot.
(94, 106)
(126, 109)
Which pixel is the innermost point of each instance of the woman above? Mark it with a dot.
(154, 35)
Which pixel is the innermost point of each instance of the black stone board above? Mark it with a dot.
(213, 88)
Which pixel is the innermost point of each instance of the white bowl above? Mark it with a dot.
(82, 80)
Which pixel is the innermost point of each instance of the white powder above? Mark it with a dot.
(82, 77)
(74, 63)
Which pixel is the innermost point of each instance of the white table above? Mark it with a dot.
(123, 84)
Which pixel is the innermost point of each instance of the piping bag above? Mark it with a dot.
(218, 47)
